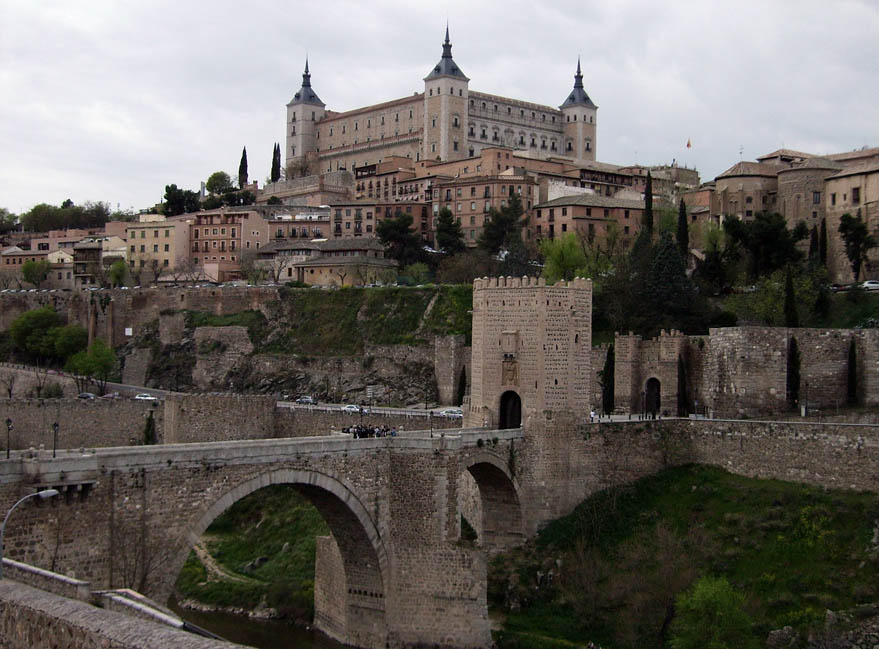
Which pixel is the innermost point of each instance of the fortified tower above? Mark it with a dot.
(304, 111)
(445, 109)
(581, 121)
(531, 349)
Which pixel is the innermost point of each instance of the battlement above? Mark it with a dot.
(528, 282)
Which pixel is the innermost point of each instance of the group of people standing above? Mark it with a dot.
(361, 432)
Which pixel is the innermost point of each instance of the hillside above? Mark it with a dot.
(610, 571)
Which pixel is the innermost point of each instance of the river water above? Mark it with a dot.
(263, 634)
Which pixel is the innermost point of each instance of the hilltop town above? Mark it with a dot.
(491, 365)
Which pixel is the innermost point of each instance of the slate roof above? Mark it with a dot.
(446, 66)
(578, 96)
(306, 95)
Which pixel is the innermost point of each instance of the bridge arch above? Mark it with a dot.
(494, 505)
(350, 602)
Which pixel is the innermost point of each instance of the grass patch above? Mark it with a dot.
(792, 550)
(451, 313)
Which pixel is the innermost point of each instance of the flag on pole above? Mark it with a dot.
(689, 145)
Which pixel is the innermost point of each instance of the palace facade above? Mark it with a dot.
(447, 121)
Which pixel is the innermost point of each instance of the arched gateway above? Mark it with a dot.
(349, 603)
(510, 415)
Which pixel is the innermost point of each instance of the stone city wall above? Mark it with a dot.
(303, 421)
(31, 618)
(218, 417)
(82, 423)
(22, 381)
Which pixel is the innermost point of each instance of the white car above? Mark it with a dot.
(143, 396)
(352, 408)
(452, 412)
(871, 285)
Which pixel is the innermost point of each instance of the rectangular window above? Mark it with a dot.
(155, 234)
(856, 195)
(564, 211)
(143, 248)
(626, 214)
(167, 233)
(166, 247)
(833, 199)
(816, 198)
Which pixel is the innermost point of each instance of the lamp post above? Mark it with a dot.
(43, 495)
(8, 435)
(54, 438)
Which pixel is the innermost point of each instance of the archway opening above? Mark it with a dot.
(247, 545)
(510, 415)
(653, 400)
(490, 505)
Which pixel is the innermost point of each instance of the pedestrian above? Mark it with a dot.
(592, 416)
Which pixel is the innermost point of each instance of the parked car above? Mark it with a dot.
(143, 396)
(351, 407)
(110, 395)
(871, 285)
(306, 399)
(87, 395)
(452, 412)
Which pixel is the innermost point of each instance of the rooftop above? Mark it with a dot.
(593, 200)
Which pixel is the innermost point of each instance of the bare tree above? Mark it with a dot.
(155, 268)
(8, 382)
(278, 264)
(342, 272)
(41, 375)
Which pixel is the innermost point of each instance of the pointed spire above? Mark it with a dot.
(306, 76)
(447, 45)
(446, 66)
(578, 96)
(306, 95)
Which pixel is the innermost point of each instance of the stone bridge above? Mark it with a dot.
(393, 573)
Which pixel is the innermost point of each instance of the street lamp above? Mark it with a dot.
(43, 495)
(8, 434)
(54, 438)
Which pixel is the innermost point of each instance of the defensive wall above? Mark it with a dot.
(183, 418)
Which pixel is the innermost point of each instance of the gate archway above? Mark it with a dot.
(510, 415)
(653, 398)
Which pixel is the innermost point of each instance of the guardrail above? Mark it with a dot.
(367, 410)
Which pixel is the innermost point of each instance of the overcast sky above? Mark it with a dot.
(111, 100)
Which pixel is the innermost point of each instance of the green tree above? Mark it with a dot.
(219, 182)
(242, 169)
(516, 260)
(276, 163)
(449, 236)
(858, 241)
(670, 296)
(563, 258)
(179, 201)
(717, 270)
(69, 340)
(814, 252)
(648, 205)
(711, 615)
(8, 221)
(501, 225)
(399, 239)
(35, 272)
(33, 332)
(767, 242)
(418, 273)
(274, 200)
(852, 374)
(683, 233)
(117, 273)
(97, 364)
(463, 268)
(791, 318)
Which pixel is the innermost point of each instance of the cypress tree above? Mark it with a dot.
(852, 383)
(814, 257)
(791, 319)
(683, 231)
(242, 169)
(822, 243)
(276, 163)
(793, 374)
(648, 205)
(608, 396)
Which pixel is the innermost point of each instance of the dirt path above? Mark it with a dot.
(215, 570)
